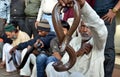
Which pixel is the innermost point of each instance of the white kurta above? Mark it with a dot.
(26, 70)
(90, 65)
(22, 37)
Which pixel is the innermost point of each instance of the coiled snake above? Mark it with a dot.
(65, 39)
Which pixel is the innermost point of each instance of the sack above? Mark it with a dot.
(32, 8)
(17, 8)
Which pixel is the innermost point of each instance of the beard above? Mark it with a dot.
(14, 37)
(85, 36)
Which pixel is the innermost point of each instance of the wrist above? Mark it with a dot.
(114, 10)
(16, 47)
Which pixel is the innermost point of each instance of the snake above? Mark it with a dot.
(65, 39)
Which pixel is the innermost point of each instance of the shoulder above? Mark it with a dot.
(21, 33)
(52, 33)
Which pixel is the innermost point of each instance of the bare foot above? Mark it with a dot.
(2, 65)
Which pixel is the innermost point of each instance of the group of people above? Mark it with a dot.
(94, 35)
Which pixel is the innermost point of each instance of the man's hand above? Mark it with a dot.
(109, 16)
(57, 55)
(85, 49)
(38, 42)
(12, 50)
(70, 2)
(36, 24)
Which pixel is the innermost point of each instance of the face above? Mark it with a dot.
(11, 35)
(42, 33)
(65, 31)
(85, 32)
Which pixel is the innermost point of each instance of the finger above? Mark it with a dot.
(109, 20)
(104, 16)
(62, 2)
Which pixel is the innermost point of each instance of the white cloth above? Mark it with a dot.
(7, 47)
(6, 56)
(26, 71)
(46, 7)
(90, 65)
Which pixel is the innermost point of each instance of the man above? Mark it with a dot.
(107, 10)
(31, 15)
(44, 37)
(4, 14)
(45, 12)
(17, 14)
(17, 36)
(43, 59)
(5, 10)
(89, 64)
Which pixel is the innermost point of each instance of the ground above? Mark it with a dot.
(116, 72)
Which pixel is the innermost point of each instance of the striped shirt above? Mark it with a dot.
(5, 10)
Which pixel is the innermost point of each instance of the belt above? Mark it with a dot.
(48, 13)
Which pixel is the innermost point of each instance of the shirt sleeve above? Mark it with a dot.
(8, 13)
(54, 45)
(40, 12)
(96, 24)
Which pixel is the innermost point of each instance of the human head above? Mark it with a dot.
(11, 31)
(85, 31)
(43, 28)
(65, 26)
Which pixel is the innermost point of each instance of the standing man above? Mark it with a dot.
(17, 13)
(31, 16)
(4, 13)
(4, 19)
(107, 10)
(45, 12)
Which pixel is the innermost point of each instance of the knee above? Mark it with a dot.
(51, 59)
(41, 58)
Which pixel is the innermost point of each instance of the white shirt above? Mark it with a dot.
(5, 10)
(46, 7)
(91, 65)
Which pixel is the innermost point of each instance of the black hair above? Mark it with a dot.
(14, 23)
(65, 24)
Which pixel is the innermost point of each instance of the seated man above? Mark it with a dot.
(91, 63)
(44, 37)
(17, 37)
(43, 59)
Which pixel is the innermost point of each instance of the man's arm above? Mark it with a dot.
(112, 13)
(40, 12)
(96, 24)
(117, 7)
(46, 40)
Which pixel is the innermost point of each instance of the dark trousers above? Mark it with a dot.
(110, 49)
(1, 27)
(30, 23)
(21, 23)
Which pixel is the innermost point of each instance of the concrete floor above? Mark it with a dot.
(116, 72)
